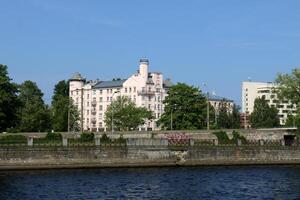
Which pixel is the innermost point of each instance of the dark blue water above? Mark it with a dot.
(252, 182)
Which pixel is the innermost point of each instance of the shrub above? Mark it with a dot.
(222, 137)
(237, 136)
(87, 137)
(13, 139)
(105, 139)
(53, 136)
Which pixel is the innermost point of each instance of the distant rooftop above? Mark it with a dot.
(110, 84)
(213, 97)
(168, 83)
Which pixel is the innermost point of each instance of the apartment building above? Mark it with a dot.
(253, 90)
(146, 89)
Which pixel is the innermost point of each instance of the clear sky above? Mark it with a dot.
(218, 42)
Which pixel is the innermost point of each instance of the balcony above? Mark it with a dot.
(94, 103)
(93, 120)
(146, 93)
(94, 112)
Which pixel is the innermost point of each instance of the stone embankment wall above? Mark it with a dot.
(145, 152)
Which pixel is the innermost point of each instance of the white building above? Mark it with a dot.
(93, 98)
(253, 90)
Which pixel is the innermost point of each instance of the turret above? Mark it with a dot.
(144, 65)
(76, 82)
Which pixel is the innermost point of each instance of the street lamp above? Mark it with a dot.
(207, 110)
(112, 113)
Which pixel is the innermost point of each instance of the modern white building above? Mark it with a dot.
(93, 97)
(253, 90)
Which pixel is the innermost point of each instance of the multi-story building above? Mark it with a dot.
(93, 97)
(217, 102)
(253, 90)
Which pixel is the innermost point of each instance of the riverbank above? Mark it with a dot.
(142, 156)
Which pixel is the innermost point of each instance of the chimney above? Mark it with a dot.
(144, 65)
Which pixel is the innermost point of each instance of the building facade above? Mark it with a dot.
(253, 90)
(146, 89)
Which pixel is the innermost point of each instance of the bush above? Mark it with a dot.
(87, 137)
(13, 139)
(105, 139)
(53, 136)
(222, 137)
(237, 136)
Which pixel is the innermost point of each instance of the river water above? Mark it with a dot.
(247, 182)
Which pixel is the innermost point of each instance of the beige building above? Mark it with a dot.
(253, 90)
(146, 89)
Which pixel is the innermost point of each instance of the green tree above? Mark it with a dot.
(289, 89)
(229, 119)
(126, 115)
(188, 108)
(264, 116)
(59, 106)
(9, 103)
(34, 114)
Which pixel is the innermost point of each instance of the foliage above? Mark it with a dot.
(16, 139)
(59, 106)
(34, 114)
(9, 103)
(188, 108)
(237, 136)
(222, 137)
(228, 119)
(126, 115)
(289, 86)
(87, 137)
(53, 136)
(289, 89)
(105, 139)
(264, 116)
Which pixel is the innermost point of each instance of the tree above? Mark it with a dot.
(34, 114)
(9, 103)
(59, 106)
(188, 108)
(126, 115)
(264, 116)
(288, 88)
(229, 119)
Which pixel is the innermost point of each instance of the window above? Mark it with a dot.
(88, 103)
(158, 106)
(130, 90)
(125, 90)
(100, 91)
(134, 89)
(94, 92)
(100, 124)
(100, 107)
(72, 93)
(107, 99)
(76, 92)
(149, 106)
(88, 96)
(101, 99)
(87, 112)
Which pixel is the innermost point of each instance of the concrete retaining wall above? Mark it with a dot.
(156, 154)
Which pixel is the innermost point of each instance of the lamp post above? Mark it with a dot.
(112, 113)
(207, 109)
(172, 107)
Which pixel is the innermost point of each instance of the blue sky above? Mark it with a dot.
(217, 42)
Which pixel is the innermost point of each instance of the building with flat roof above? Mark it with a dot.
(253, 90)
(144, 88)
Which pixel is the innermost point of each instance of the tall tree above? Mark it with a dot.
(185, 108)
(264, 116)
(9, 103)
(34, 114)
(59, 106)
(228, 118)
(126, 115)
